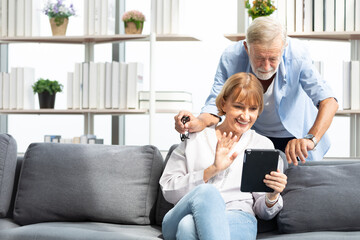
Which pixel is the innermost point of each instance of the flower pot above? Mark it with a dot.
(58, 26)
(46, 100)
(130, 28)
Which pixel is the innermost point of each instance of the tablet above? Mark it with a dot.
(258, 163)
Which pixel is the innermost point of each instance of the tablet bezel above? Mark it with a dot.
(256, 164)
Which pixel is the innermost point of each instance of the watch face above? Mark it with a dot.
(309, 136)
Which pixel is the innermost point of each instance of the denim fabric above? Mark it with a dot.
(201, 214)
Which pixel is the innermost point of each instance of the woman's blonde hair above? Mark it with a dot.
(241, 87)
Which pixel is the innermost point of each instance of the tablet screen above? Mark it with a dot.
(257, 163)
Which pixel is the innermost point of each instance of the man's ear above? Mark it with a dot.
(246, 47)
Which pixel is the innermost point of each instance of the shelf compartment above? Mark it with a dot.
(339, 36)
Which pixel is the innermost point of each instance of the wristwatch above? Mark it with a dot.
(312, 138)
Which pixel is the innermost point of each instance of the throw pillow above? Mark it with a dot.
(79, 182)
(321, 198)
(8, 156)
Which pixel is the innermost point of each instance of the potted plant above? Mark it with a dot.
(58, 15)
(133, 21)
(46, 90)
(260, 8)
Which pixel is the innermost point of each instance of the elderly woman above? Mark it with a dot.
(203, 175)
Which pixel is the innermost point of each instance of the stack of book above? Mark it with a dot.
(314, 15)
(20, 18)
(167, 100)
(83, 139)
(109, 85)
(16, 88)
(167, 16)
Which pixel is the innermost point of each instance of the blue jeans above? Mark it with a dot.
(201, 214)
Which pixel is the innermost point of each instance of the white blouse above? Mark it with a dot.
(185, 170)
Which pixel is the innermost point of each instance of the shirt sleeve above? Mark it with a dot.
(315, 86)
(260, 208)
(220, 78)
(176, 181)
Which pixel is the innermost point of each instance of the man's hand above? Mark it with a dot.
(196, 124)
(298, 148)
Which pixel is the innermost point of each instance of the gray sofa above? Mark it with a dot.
(75, 191)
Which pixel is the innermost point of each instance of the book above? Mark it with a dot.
(280, 12)
(13, 88)
(28, 18)
(97, 17)
(308, 16)
(91, 15)
(86, 17)
(349, 15)
(329, 6)
(4, 18)
(166, 96)
(153, 14)
(77, 81)
(159, 16)
(166, 17)
(346, 84)
(339, 16)
(290, 15)
(167, 105)
(123, 85)
(104, 17)
(299, 16)
(100, 103)
(355, 85)
(36, 13)
(357, 16)
(20, 21)
(11, 18)
(25, 95)
(6, 91)
(134, 84)
(69, 90)
(318, 16)
(115, 84)
(93, 85)
(85, 85)
(108, 86)
(174, 28)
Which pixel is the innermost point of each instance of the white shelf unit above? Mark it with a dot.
(354, 39)
(89, 42)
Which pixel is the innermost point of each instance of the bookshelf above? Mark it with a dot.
(354, 38)
(117, 40)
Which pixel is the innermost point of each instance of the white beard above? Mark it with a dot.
(260, 73)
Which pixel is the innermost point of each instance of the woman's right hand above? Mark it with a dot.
(222, 159)
(224, 146)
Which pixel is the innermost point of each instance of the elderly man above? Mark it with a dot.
(298, 104)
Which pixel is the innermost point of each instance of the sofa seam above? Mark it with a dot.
(148, 188)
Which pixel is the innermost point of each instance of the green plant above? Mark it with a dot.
(46, 85)
(134, 16)
(260, 8)
(58, 11)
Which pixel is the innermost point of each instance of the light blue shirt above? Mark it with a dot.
(298, 89)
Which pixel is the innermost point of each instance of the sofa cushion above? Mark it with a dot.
(78, 182)
(321, 198)
(8, 155)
